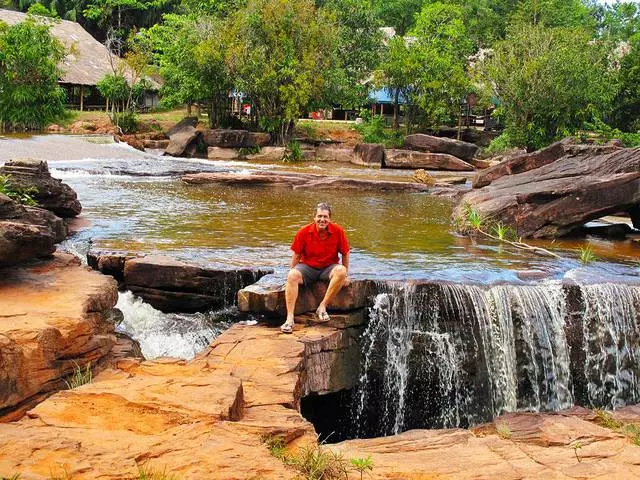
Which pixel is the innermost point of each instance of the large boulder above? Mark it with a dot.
(428, 143)
(221, 137)
(27, 232)
(174, 286)
(257, 139)
(181, 136)
(558, 198)
(53, 321)
(368, 154)
(332, 153)
(268, 154)
(221, 153)
(267, 296)
(51, 193)
(410, 159)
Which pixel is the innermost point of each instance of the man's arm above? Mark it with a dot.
(345, 261)
(295, 259)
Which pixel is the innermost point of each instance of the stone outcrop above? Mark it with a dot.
(51, 193)
(182, 136)
(368, 154)
(174, 286)
(309, 181)
(156, 144)
(219, 153)
(52, 319)
(512, 165)
(268, 154)
(558, 198)
(109, 262)
(428, 143)
(27, 232)
(410, 159)
(226, 138)
(333, 153)
(516, 446)
(267, 296)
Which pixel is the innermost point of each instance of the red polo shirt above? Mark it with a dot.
(320, 253)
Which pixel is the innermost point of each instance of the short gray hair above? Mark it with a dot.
(322, 206)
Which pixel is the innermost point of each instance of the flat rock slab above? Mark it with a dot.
(368, 154)
(532, 446)
(409, 159)
(267, 296)
(428, 143)
(174, 286)
(315, 182)
(558, 198)
(52, 318)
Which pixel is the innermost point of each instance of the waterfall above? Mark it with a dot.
(446, 355)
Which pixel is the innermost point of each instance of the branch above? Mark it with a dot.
(521, 245)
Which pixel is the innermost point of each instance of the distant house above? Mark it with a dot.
(86, 63)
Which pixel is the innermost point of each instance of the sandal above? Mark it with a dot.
(286, 327)
(323, 316)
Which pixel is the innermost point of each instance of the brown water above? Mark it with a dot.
(136, 202)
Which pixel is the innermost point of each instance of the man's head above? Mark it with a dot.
(322, 217)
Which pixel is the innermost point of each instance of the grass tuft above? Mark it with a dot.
(80, 377)
(586, 255)
(605, 419)
(503, 430)
(145, 472)
(313, 462)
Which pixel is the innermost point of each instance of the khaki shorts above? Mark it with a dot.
(311, 275)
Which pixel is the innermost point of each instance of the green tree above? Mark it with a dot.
(553, 13)
(549, 81)
(626, 104)
(190, 51)
(29, 57)
(282, 52)
(399, 14)
(619, 21)
(428, 67)
(358, 51)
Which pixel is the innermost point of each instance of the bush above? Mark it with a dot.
(127, 121)
(293, 153)
(20, 195)
(374, 130)
(29, 56)
(499, 144)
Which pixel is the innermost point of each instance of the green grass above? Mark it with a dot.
(79, 377)
(586, 255)
(312, 462)
(23, 196)
(15, 476)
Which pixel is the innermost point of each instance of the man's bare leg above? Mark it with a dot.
(337, 279)
(294, 280)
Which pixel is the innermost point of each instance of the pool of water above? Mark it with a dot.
(135, 201)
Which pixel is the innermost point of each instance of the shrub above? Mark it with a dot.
(20, 195)
(127, 121)
(29, 56)
(374, 130)
(313, 462)
(293, 153)
(499, 144)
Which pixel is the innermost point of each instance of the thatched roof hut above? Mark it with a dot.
(87, 60)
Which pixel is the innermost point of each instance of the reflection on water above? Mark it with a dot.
(136, 202)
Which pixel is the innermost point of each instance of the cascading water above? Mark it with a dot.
(444, 355)
(178, 335)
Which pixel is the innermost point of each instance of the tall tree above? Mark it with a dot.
(553, 13)
(29, 73)
(626, 105)
(399, 14)
(359, 46)
(548, 81)
(282, 52)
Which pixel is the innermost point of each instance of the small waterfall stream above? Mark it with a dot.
(450, 355)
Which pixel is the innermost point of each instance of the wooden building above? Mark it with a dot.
(86, 63)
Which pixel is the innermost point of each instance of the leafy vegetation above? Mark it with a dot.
(29, 57)
(24, 196)
(503, 430)
(80, 376)
(313, 462)
(15, 476)
(606, 420)
(586, 255)
(374, 129)
(362, 464)
(293, 153)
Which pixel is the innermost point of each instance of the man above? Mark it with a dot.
(315, 257)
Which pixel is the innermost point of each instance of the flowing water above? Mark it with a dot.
(451, 353)
(444, 355)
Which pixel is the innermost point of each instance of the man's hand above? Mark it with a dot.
(347, 280)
